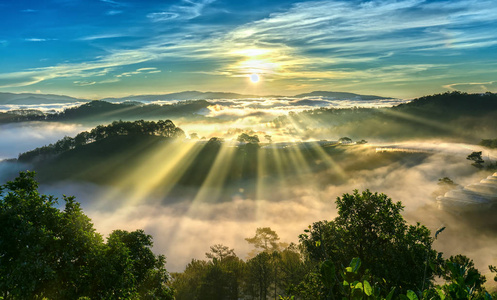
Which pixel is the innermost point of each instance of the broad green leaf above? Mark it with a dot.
(355, 264)
(390, 295)
(367, 288)
(358, 286)
(412, 295)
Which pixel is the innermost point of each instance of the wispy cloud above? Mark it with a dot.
(188, 9)
(102, 36)
(113, 3)
(38, 40)
(84, 83)
(476, 87)
(139, 71)
(114, 12)
(346, 43)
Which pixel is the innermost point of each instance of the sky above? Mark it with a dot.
(102, 48)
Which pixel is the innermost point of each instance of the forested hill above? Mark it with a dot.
(140, 128)
(454, 103)
(454, 116)
(102, 111)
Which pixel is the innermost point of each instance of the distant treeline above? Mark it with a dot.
(454, 115)
(102, 111)
(489, 143)
(117, 128)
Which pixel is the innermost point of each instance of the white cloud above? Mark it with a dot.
(188, 9)
(38, 40)
(102, 36)
(113, 12)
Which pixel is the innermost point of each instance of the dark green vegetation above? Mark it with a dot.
(455, 116)
(102, 111)
(46, 253)
(489, 143)
(367, 252)
(165, 129)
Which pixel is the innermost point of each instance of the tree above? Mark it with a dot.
(477, 159)
(220, 278)
(43, 251)
(245, 138)
(265, 239)
(463, 280)
(259, 275)
(220, 252)
(48, 253)
(445, 184)
(370, 227)
(345, 140)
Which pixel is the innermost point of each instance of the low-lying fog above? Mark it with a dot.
(17, 138)
(185, 228)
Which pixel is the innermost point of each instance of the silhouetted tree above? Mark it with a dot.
(477, 159)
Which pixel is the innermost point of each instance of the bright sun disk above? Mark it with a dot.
(254, 78)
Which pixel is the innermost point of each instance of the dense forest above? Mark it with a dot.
(367, 252)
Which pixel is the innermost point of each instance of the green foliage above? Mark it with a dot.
(370, 227)
(161, 128)
(220, 278)
(463, 280)
(48, 253)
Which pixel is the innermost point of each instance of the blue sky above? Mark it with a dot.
(101, 48)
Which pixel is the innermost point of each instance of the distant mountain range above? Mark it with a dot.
(340, 95)
(33, 99)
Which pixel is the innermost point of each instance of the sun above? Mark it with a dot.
(254, 78)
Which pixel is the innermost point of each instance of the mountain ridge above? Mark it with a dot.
(35, 98)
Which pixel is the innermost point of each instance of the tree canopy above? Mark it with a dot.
(370, 227)
(54, 254)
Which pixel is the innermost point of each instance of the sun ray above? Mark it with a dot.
(160, 166)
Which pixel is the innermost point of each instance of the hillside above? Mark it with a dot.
(451, 116)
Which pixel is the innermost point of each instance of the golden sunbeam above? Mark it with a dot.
(161, 167)
(212, 187)
(326, 158)
(214, 182)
